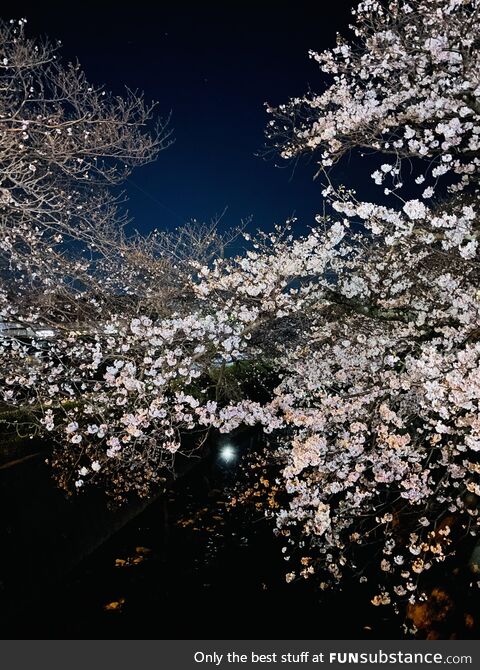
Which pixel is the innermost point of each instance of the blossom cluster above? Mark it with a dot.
(383, 399)
(371, 322)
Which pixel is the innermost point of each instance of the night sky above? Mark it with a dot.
(213, 66)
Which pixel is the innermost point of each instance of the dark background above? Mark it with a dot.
(213, 65)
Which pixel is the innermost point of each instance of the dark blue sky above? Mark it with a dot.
(213, 65)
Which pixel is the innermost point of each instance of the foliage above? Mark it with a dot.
(371, 321)
(384, 399)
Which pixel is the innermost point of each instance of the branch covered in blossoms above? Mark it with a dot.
(64, 143)
(383, 401)
(370, 322)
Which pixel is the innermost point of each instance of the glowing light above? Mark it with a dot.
(228, 453)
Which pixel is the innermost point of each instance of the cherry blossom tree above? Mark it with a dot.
(383, 399)
(101, 337)
(371, 321)
(63, 144)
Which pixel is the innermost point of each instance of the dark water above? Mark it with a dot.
(185, 568)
